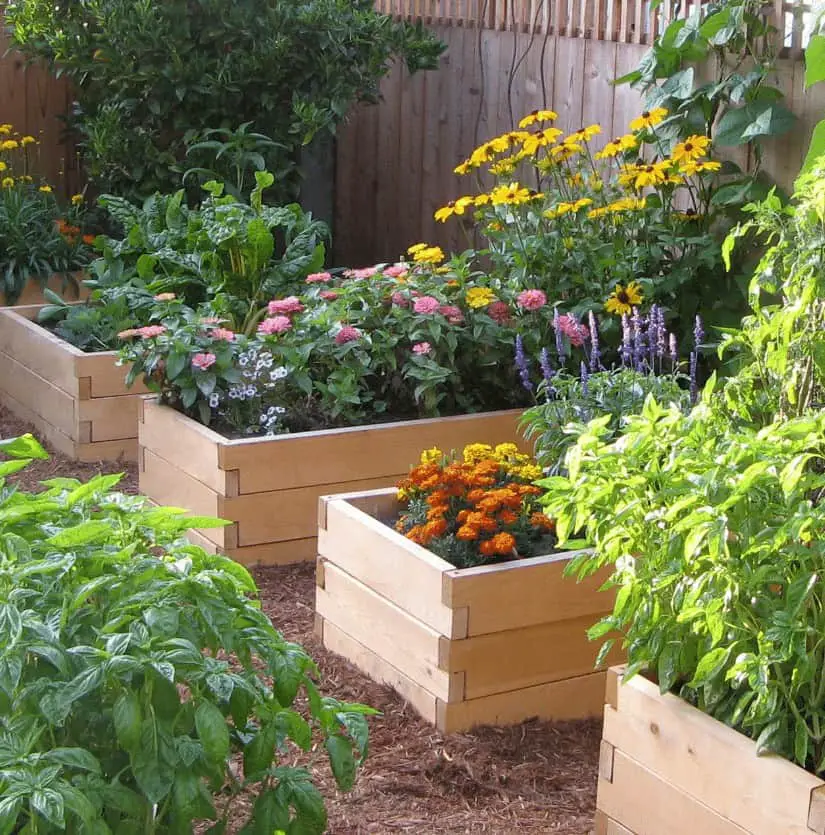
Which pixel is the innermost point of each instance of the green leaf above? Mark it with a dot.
(48, 803)
(709, 666)
(816, 149)
(800, 742)
(26, 446)
(259, 754)
(815, 60)
(82, 534)
(342, 760)
(10, 808)
(78, 758)
(127, 716)
(212, 732)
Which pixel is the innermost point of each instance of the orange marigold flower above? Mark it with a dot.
(482, 521)
(467, 533)
(539, 520)
(461, 516)
(487, 548)
(476, 495)
(504, 543)
(415, 534)
(437, 511)
(489, 505)
(438, 497)
(437, 527)
(508, 517)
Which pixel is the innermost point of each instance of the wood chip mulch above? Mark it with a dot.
(537, 777)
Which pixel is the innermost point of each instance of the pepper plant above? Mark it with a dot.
(142, 689)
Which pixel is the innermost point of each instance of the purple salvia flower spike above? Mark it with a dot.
(522, 365)
(638, 340)
(585, 377)
(652, 321)
(595, 352)
(694, 378)
(661, 335)
(698, 332)
(547, 372)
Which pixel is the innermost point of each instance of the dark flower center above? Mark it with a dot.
(623, 297)
(646, 114)
(688, 146)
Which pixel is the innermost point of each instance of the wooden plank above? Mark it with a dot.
(573, 698)
(41, 351)
(333, 456)
(603, 825)
(112, 418)
(108, 379)
(388, 206)
(43, 430)
(32, 295)
(124, 449)
(568, 84)
(524, 593)
(627, 102)
(399, 639)
(363, 547)
(379, 670)
(166, 484)
(521, 658)
(597, 103)
(346, 192)
(191, 447)
(648, 805)
(761, 795)
(278, 515)
(275, 553)
(430, 132)
(51, 405)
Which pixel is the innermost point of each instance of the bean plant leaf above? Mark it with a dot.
(815, 60)
(212, 731)
(341, 760)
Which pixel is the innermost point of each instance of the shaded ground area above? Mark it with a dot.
(534, 778)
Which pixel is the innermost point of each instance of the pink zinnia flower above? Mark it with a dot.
(128, 333)
(317, 278)
(149, 331)
(347, 334)
(223, 333)
(499, 312)
(426, 305)
(291, 304)
(399, 299)
(165, 297)
(211, 320)
(275, 324)
(452, 313)
(328, 295)
(364, 272)
(531, 299)
(422, 348)
(396, 271)
(203, 361)
(573, 330)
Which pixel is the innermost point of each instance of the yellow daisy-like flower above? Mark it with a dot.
(5, 130)
(566, 151)
(692, 149)
(512, 194)
(648, 119)
(463, 168)
(416, 248)
(627, 204)
(627, 175)
(575, 179)
(77, 199)
(584, 134)
(25, 178)
(711, 165)
(454, 207)
(7, 182)
(478, 297)
(504, 167)
(429, 255)
(9, 144)
(617, 146)
(45, 189)
(483, 154)
(432, 456)
(27, 140)
(3, 166)
(532, 142)
(482, 199)
(624, 299)
(473, 453)
(595, 214)
(651, 175)
(538, 116)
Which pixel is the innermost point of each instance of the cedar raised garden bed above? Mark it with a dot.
(33, 291)
(269, 487)
(494, 644)
(666, 767)
(77, 402)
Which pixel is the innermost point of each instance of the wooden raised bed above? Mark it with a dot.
(33, 292)
(666, 767)
(269, 486)
(77, 402)
(489, 645)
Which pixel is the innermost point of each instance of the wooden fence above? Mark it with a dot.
(36, 103)
(505, 58)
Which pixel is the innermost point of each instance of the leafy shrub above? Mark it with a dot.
(151, 75)
(37, 237)
(476, 510)
(605, 230)
(141, 687)
(717, 533)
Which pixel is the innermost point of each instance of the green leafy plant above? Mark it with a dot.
(716, 531)
(141, 687)
(150, 75)
(781, 345)
(738, 104)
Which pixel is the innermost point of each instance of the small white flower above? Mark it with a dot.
(278, 373)
(214, 400)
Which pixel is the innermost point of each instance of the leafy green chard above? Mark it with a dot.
(716, 530)
(141, 687)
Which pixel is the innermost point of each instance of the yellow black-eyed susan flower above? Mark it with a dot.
(624, 299)
(648, 119)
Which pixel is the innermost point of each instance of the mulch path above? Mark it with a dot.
(537, 777)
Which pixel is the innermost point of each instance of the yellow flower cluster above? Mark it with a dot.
(626, 204)
(568, 208)
(508, 455)
(478, 297)
(426, 254)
